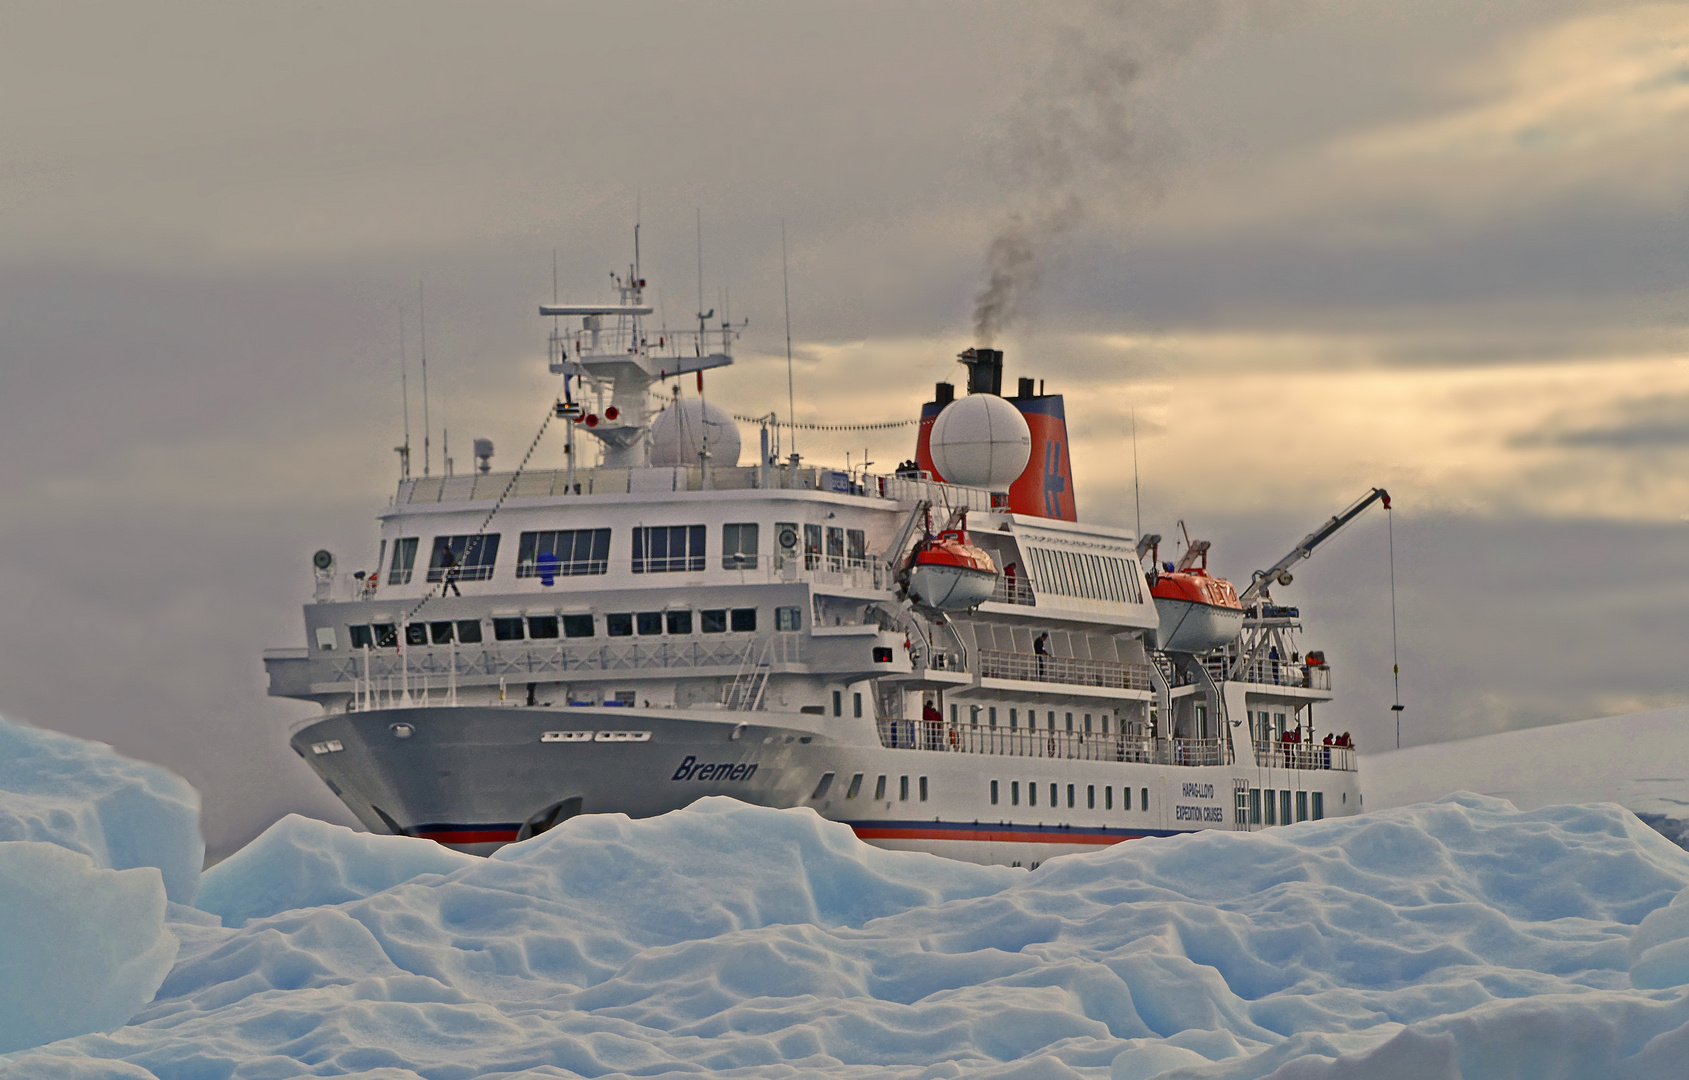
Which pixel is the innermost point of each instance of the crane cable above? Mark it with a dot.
(1395, 660)
(488, 520)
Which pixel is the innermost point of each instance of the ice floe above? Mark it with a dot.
(1457, 940)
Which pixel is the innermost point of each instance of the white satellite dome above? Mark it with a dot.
(981, 441)
(687, 427)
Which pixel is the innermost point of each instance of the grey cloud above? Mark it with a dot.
(1652, 423)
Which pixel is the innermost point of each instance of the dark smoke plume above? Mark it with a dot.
(1079, 136)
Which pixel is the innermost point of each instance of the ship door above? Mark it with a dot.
(549, 818)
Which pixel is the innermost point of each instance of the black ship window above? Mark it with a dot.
(835, 548)
(361, 638)
(577, 626)
(1143, 799)
(1053, 802)
(856, 547)
(1090, 796)
(416, 634)
(649, 622)
(1032, 793)
(744, 620)
(440, 633)
(1125, 798)
(542, 626)
(662, 549)
(788, 618)
(469, 558)
(1254, 806)
(903, 789)
(680, 622)
(563, 552)
(1284, 806)
(713, 621)
(855, 788)
(739, 546)
(1301, 806)
(1108, 798)
(507, 629)
(880, 788)
(811, 546)
(991, 716)
(1014, 719)
(469, 631)
(404, 561)
(1014, 792)
(619, 625)
(1319, 806)
(993, 793)
(838, 707)
(856, 705)
(821, 787)
(923, 789)
(1070, 796)
(386, 635)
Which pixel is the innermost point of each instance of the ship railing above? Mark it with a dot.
(381, 675)
(1013, 591)
(1061, 745)
(1030, 667)
(1283, 755)
(1271, 672)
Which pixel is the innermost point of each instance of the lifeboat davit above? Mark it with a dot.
(1197, 612)
(950, 574)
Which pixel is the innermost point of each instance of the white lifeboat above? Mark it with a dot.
(1197, 612)
(949, 573)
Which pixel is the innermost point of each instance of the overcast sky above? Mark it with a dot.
(1438, 247)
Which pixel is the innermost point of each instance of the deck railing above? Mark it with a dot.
(1283, 755)
(1013, 591)
(1030, 667)
(1032, 743)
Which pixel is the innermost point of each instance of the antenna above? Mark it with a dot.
(405, 396)
(786, 292)
(701, 315)
(1137, 500)
(422, 323)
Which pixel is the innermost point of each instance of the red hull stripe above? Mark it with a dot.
(453, 835)
(998, 834)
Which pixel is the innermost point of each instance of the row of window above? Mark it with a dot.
(1072, 796)
(855, 788)
(539, 627)
(1086, 576)
(1269, 807)
(988, 715)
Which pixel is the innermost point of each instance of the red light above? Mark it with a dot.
(611, 413)
(591, 419)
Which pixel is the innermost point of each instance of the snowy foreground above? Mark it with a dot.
(1640, 762)
(1462, 939)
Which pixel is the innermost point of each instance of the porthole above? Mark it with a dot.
(401, 731)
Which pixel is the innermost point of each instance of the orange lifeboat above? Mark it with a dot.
(949, 573)
(1197, 612)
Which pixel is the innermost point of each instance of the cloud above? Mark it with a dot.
(1654, 422)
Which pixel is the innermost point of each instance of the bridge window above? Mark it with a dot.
(662, 549)
(577, 626)
(386, 635)
(542, 626)
(856, 547)
(619, 625)
(507, 629)
(361, 638)
(469, 631)
(1319, 806)
(993, 793)
(416, 634)
(679, 622)
(713, 621)
(469, 558)
(835, 548)
(649, 623)
(880, 789)
(404, 561)
(744, 620)
(739, 546)
(563, 552)
(440, 632)
(811, 546)
(788, 618)
(855, 788)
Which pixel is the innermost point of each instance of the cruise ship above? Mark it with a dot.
(942, 657)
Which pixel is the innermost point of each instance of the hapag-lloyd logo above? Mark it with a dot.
(727, 770)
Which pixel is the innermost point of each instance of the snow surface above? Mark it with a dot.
(1461, 940)
(1637, 761)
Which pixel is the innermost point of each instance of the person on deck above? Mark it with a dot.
(930, 713)
(1041, 647)
(448, 571)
